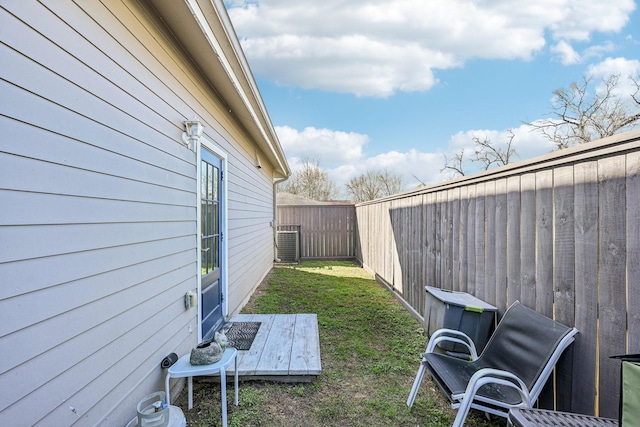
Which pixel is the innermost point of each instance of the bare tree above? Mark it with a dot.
(582, 114)
(391, 183)
(421, 183)
(312, 182)
(456, 164)
(489, 154)
(486, 153)
(374, 184)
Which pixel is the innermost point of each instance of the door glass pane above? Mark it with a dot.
(210, 181)
(203, 222)
(206, 250)
(203, 179)
(215, 226)
(210, 221)
(215, 184)
(215, 252)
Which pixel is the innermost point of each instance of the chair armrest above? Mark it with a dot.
(490, 376)
(459, 337)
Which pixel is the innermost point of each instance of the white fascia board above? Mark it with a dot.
(199, 16)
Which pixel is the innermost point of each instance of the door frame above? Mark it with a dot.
(204, 143)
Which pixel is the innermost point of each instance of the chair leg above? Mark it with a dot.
(416, 385)
(463, 411)
(223, 392)
(235, 380)
(167, 391)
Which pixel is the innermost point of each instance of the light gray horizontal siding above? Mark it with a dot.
(25, 275)
(98, 218)
(250, 231)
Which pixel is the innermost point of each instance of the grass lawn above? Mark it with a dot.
(370, 348)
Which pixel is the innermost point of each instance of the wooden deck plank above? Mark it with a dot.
(286, 348)
(276, 353)
(244, 357)
(248, 359)
(305, 351)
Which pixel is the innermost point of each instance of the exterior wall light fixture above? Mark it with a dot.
(192, 133)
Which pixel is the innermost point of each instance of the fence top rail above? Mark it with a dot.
(613, 145)
(319, 206)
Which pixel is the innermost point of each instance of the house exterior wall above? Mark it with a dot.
(98, 197)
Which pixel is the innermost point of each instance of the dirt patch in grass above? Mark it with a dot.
(370, 348)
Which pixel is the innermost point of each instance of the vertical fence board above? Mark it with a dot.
(611, 279)
(430, 236)
(586, 292)
(444, 243)
(490, 262)
(463, 275)
(471, 241)
(514, 239)
(633, 252)
(528, 240)
(448, 242)
(499, 299)
(392, 253)
(440, 200)
(418, 278)
(398, 234)
(408, 264)
(544, 260)
(563, 273)
(544, 238)
(480, 241)
(454, 200)
(564, 245)
(424, 255)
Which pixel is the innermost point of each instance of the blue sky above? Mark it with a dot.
(399, 84)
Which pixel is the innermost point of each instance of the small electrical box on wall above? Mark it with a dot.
(190, 300)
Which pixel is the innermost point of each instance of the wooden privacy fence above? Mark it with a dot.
(560, 233)
(326, 231)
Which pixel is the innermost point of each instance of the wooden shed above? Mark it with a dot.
(137, 164)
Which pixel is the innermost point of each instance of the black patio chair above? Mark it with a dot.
(510, 372)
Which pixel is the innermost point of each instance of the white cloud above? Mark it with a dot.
(598, 50)
(330, 147)
(376, 47)
(567, 55)
(577, 20)
(341, 153)
(624, 67)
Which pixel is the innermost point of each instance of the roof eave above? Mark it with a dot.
(205, 31)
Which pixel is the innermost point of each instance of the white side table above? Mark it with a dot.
(182, 368)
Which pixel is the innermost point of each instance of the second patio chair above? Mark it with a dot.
(510, 372)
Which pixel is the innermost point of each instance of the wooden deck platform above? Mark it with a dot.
(286, 348)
